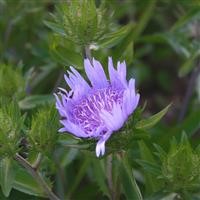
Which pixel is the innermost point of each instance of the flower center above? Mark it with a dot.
(86, 112)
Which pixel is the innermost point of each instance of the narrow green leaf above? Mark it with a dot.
(25, 183)
(128, 53)
(34, 101)
(130, 187)
(150, 169)
(82, 171)
(114, 38)
(7, 175)
(160, 152)
(179, 43)
(152, 185)
(188, 65)
(140, 134)
(125, 43)
(188, 17)
(68, 157)
(59, 54)
(99, 175)
(151, 121)
(147, 13)
(55, 27)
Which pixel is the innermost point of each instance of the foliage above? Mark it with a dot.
(180, 168)
(13, 80)
(80, 21)
(11, 126)
(156, 155)
(43, 133)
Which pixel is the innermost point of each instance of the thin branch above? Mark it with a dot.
(35, 174)
(110, 177)
(36, 164)
(189, 92)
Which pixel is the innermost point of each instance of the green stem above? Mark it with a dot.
(109, 177)
(37, 162)
(35, 174)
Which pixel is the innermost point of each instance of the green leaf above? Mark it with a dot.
(65, 56)
(43, 135)
(12, 82)
(130, 187)
(188, 65)
(68, 157)
(152, 185)
(190, 125)
(146, 15)
(35, 100)
(160, 152)
(25, 183)
(99, 175)
(114, 38)
(128, 53)
(179, 43)
(55, 27)
(11, 125)
(150, 169)
(140, 134)
(188, 17)
(7, 175)
(124, 43)
(151, 121)
(79, 176)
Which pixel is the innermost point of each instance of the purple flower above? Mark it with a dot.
(99, 109)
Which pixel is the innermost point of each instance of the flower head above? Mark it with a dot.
(98, 109)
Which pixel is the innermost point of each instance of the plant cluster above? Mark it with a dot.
(80, 82)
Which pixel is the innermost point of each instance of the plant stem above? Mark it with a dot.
(35, 174)
(110, 178)
(87, 52)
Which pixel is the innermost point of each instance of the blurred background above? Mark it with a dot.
(158, 39)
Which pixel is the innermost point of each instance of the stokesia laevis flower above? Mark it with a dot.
(100, 109)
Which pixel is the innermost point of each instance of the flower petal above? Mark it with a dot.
(59, 106)
(121, 70)
(130, 98)
(80, 80)
(95, 74)
(76, 82)
(102, 80)
(100, 147)
(114, 75)
(115, 120)
(73, 128)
